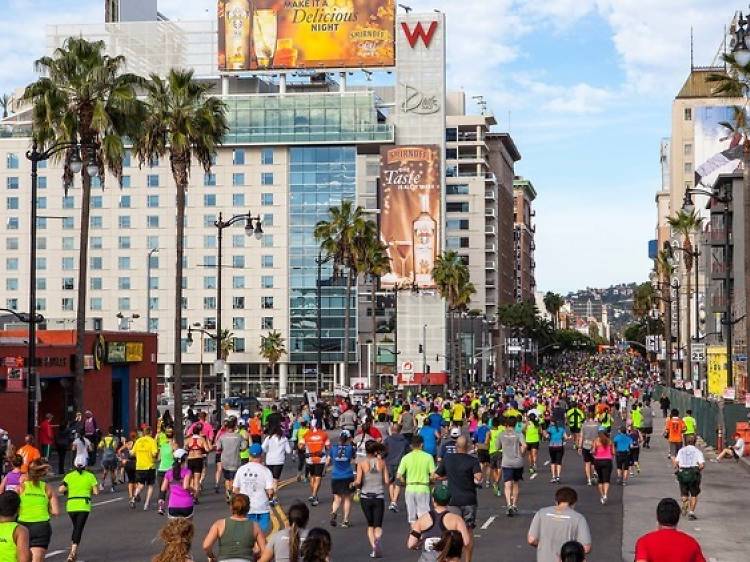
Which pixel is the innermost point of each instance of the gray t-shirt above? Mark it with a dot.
(407, 422)
(589, 432)
(648, 416)
(511, 442)
(230, 444)
(279, 543)
(348, 420)
(553, 528)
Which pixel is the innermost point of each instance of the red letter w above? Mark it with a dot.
(419, 32)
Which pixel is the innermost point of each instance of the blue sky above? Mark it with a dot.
(584, 86)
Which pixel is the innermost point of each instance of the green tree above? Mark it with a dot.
(272, 349)
(643, 299)
(554, 302)
(183, 122)
(226, 344)
(84, 95)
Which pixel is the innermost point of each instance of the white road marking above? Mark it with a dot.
(54, 553)
(488, 522)
(107, 501)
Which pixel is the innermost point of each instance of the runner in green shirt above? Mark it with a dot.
(167, 445)
(417, 468)
(690, 424)
(14, 538)
(496, 453)
(79, 485)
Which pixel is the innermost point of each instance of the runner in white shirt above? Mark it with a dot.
(276, 447)
(689, 463)
(256, 482)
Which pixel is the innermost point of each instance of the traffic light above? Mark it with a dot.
(420, 348)
(427, 369)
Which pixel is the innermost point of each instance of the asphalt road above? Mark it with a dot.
(116, 533)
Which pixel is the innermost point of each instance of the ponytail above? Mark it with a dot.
(298, 516)
(176, 470)
(451, 546)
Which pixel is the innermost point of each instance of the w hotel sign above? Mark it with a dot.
(420, 76)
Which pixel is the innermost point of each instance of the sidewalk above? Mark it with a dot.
(721, 527)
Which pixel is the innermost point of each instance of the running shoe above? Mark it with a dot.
(112, 489)
(137, 498)
(377, 550)
(588, 482)
(311, 499)
(345, 524)
(553, 480)
(132, 503)
(333, 520)
(533, 475)
(691, 516)
(145, 506)
(509, 511)
(393, 507)
(315, 501)
(216, 489)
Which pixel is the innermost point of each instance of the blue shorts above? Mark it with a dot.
(262, 519)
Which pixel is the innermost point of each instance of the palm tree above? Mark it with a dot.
(181, 121)
(84, 96)
(5, 101)
(554, 302)
(272, 348)
(685, 224)
(226, 344)
(452, 281)
(643, 298)
(340, 238)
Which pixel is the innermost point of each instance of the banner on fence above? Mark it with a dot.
(717, 369)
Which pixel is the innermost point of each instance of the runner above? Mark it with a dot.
(177, 481)
(238, 535)
(127, 466)
(167, 445)
(109, 445)
(372, 474)
(589, 434)
(14, 537)
(38, 503)
(316, 452)
(396, 446)
(230, 443)
(197, 447)
(513, 446)
(635, 450)
(557, 436)
(496, 454)
(12, 480)
(417, 469)
(575, 418)
(145, 451)
(674, 428)
(79, 485)
(427, 531)
(623, 443)
(256, 482)
(482, 447)
(690, 425)
(689, 464)
(276, 447)
(603, 451)
(81, 447)
(342, 477)
(285, 545)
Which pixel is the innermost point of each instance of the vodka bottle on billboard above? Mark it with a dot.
(424, 232)
(237, 34)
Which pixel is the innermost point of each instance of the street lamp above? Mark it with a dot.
(254, 228)
(151, 252)
(76, 165)
(127, 321)
(740, 48)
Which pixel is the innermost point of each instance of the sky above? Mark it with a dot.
(583, 86)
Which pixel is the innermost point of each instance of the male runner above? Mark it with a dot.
(316, 451)
(513, 446)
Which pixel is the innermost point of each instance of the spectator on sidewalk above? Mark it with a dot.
(46, 436)
(736, 451)
(92, 433)
(552, 527)
(647, 425)
(674, 428)
(664, 404)
(689, 463)
(667, 543)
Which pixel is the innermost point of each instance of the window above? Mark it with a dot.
(238, 241)
(68, 223)
(267, 219)
(96, 262)
(238, 323)
(238, 261)
(238, 199)
(123, 222)
(266, 178)
(209, 241)
(688, 149)
(95, 303)
(11, 161)
(153, 261)
(209, 303)
(209, 180)
(41, 304)
(688, 167)
(266, 261)
(152, 242)
(97, 222)
(125, 182)
(41, 182)
(688, 114)
(123, 283)
(41, 202)
(458, 189)
(209, 345)
(152, 201)
(238, 303)
(68, 264)
(451, 153)
(41, 243)
(457, 207)
(126, 159)
(124, 202)
(266, 302)
(41, 223)
(95, 284)
(266, 199)
(184, 303)
(152, 180)
(68, 243)
(266, 156)
(464, 260)
(456, 224)
(238, 282)
(239, 345)
(95, 242)
(11, 284)
(454, 243)
(266, 282)
(152, 221)
(209, 200)
(209, 282)
(123, 262)
(11, 304)
(13, 223)
(153, 162)
(209, 261)
(11, 264)
(41, 263)
(11, 203)
(96, 201)
(123, 303)
(41, 284)
(11, 243)
(66, 303)
(266, 323)
(68, 283)
(238, 179)
(11, 182)
(208, 220)
(153, 324)
(266, 241)
(153, 303)
(153, 282)
(123, 242)
(238, 157)
(68, 202)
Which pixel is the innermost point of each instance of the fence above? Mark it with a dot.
(705, 412)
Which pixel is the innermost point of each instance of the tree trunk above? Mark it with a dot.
(451, 350)
(347, 323)
(688, 366)
(83, 262)
(746, 251)
(179, 171)
(374, 362)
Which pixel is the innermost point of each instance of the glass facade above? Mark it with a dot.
(320, 178)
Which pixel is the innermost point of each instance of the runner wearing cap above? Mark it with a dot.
(256, 482)
(342, 477)
(177, 482)
(316, 452)
(448, 446)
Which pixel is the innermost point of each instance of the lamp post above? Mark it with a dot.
(196, 327)
(151, 252)
(319, 261)
(253, 227)
(667, 300)
(76, 165)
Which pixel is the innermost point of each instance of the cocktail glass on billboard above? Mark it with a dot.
(237, 34)
(264, 36)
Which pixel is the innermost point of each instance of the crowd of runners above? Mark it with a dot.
(427, 453)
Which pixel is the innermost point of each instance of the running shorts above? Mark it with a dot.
(342, 487)
(483, 455)
(262, 519)
(534, 445)
(145, 477)
(40, 533)
(316, 469)
(179, 512)
(556, 455)
(514, 474)
(496, 460)
(587, 456)
(373, 509)
(275, 470)
(635, 455)
(603, 470)
(623, 461)
(195, 465)
(228, 474)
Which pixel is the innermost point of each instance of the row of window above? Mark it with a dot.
(125, 262)
(124, 283)
(124, 303)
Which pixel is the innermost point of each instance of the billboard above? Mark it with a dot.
(717, 369)
(717, 150)
(410, 213)
(306, 34)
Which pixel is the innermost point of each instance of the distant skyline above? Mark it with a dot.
(584, 87)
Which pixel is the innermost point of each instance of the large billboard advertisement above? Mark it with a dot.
(717, 150)
(716, 356)
(410, 213)
(305, 34)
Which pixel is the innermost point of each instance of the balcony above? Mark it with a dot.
(490, 212)
(719, 269)
(490, 248)
(489, 194)
(490, 231)
(718, 302)
(490, 264)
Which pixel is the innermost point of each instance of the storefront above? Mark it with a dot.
(119, 381)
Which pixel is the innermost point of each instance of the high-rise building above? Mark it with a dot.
(524, 230)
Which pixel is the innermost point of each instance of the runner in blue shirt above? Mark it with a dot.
(342, 477)
(556, 435)
(623, 442)
(429, 436)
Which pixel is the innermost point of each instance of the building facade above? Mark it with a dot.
(524, 230)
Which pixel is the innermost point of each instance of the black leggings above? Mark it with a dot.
(603, 470)
(159, 479)
(373, 508)
(78, 518)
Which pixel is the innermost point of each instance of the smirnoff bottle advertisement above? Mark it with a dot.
(410, 219)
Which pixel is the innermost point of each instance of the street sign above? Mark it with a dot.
(698, 353)
(407, 371)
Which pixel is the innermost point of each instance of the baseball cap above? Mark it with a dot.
(441, 494)
(179, 453)
(345, 434)
(455, 432)
(313, 423)
(256, 450)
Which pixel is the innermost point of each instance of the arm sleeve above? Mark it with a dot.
(584, 534)
(534, 528)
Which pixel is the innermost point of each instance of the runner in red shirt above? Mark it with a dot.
(667, 543)
(316, 452)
